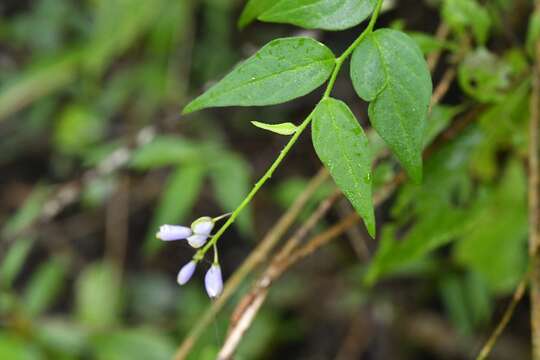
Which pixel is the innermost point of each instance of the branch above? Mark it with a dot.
(255, 258)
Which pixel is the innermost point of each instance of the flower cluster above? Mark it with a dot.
(196, 235)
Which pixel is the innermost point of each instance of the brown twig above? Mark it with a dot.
(250, 304)
(534, 202)
(443, 86)
(441, 34)
(516, 298)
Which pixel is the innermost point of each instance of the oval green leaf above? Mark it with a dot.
(344, 150)
(282, 70)
(281, 129)
(388, 70)
(320, 14)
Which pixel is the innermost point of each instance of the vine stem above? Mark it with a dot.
(199, 255)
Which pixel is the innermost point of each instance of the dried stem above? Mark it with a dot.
(534, 203)
(516, 298)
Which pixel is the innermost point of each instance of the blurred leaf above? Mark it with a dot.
(36, 82)
(14, 348)
(152, 295)
(253, 9)
(281, 129)
(177, 199)
(133, 344)
(484, 76)
(117, 24)
(28, 213)
(504, 126)
(164, 151)
(319, 14)
(231, 180)
(98, 190)
(463, 14)
(344, 150)
(97, 296)
(13, 261)
(434, 213)
(440, 117)
(44, 286)
(77, 129)
(282, 70)
(61, 336)
(495, 246)
(389, 70)
(454, 298)
(479, 299)
(427, 234)
(429, 43)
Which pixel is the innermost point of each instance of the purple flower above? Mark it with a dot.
(186, 272)
(213, 281)
(173, 232)
(197, 240)
(203, 225)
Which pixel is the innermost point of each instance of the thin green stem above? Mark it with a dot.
(216, 256)
(339, 62)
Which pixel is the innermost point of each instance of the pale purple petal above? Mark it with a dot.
(197, 241)
(203, 225)
(213, 281)
(173, 232)
(186, 272)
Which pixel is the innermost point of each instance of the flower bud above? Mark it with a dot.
(213, 281)
(197, 240)
(173, 232)
(186, 272)
(203, 225)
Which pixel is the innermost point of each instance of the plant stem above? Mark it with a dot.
(339, 62)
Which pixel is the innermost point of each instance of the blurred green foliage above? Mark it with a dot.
(84, 81)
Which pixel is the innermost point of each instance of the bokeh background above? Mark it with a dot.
(94, 156)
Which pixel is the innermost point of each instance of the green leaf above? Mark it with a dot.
(98, 296)
(28, 212)
(320, 14)
(463, 14)
(44, 286)
(440, 117)
(282, 129)
(388, 69)
(344, 149)
(77, 129)
(282, 70)
(231, 182)
(495, 247)
(164, 151)
(454, 298)
(13, 262)
(429, 43)
(17, 348)
(252, 10)
(181, 192)
(61, 336)
(484, 76)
